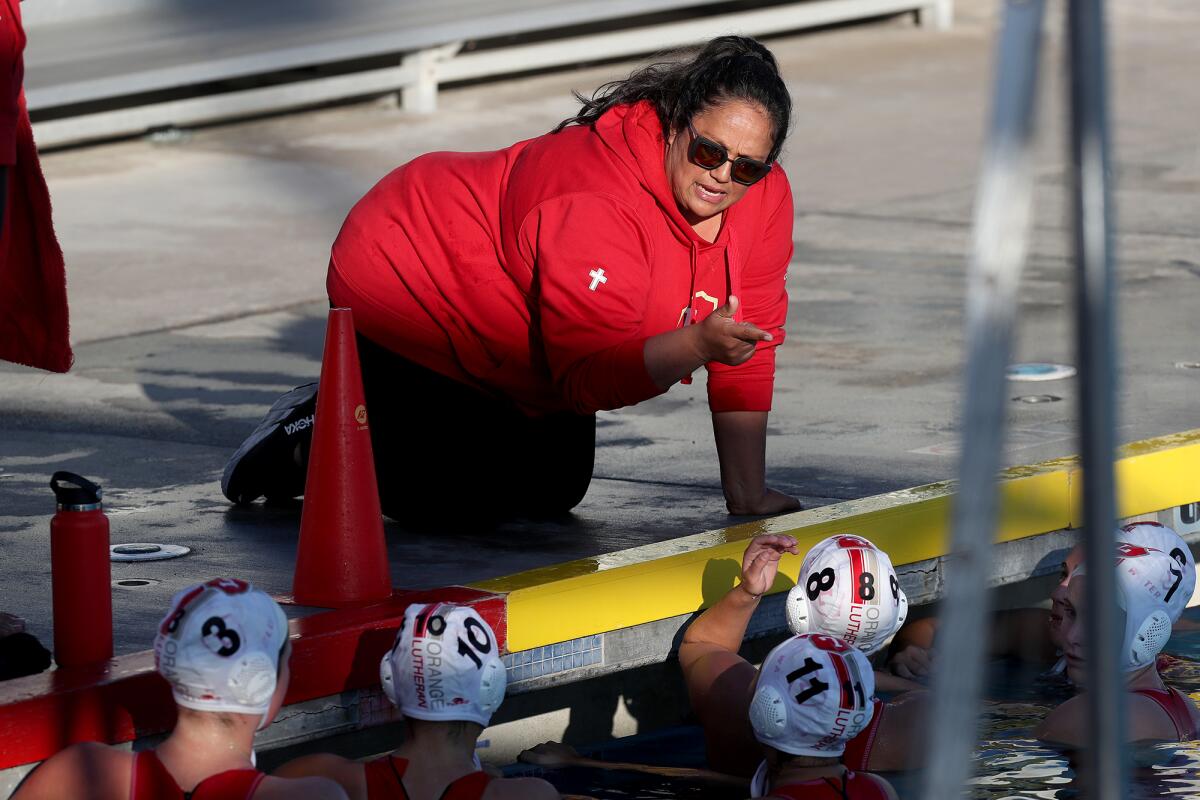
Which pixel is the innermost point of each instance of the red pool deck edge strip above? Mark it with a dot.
(125, 699)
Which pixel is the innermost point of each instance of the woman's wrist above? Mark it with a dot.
(673, 355)
(751, 595)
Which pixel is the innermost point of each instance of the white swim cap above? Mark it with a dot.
(444, 665)
(814, 694)
(1144, 579)
(219, 647)
(848, 589)
(1154, 536)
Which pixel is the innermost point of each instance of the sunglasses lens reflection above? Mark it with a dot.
(709, 155)
(749, 171)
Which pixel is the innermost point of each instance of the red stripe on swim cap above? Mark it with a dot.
(846, 695)
(422, 620)
(856, 571)
(851, 542)
(177, 612)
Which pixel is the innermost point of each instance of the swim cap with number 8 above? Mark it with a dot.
(848, 589)
(445, 665)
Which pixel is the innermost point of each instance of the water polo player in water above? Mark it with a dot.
(812, 695)
(847, 589)
(223, 647)
(437, 756)
(1145, 579)
(1035, 634)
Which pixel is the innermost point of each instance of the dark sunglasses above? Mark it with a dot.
(707, 154)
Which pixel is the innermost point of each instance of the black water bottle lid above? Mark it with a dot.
(78, 493)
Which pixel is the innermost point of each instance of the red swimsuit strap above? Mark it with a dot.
(234, 784)
(851, 786)
(1177, 706)
(152, 781)
(468, 787)
(149, 779)
(384, 778)
(385, 781)
(858, 750)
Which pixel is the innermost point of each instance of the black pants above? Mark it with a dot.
(444, 448)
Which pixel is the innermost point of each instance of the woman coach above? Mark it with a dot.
(502, 298)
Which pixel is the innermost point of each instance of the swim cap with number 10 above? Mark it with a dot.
(445, 665)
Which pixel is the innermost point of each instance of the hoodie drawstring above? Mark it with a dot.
(689, 316)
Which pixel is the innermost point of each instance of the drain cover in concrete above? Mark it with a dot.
(135, 583)
(1039, 372)
(1037, 398)
(146, 551)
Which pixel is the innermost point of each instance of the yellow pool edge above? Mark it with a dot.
(617, 590)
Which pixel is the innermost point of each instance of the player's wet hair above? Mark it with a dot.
(695, 79)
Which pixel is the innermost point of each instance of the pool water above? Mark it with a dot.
(1010, 762)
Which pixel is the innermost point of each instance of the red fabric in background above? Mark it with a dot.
(12, 72)
(34, 326)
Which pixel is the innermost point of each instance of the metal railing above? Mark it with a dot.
(1001, 235)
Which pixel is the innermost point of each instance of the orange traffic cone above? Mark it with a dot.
(342, 558)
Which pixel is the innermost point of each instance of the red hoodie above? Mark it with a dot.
(537, 272)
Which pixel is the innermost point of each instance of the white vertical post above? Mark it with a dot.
(421, 95)
(937, 15)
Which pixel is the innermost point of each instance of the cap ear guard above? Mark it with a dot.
(799, 619)
(492, 683)
(768, 713)
(1150, 639)
(252, 680)
(901, 610)
(387, 679)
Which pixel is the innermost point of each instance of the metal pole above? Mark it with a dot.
(1001, 237)
(1106, 770)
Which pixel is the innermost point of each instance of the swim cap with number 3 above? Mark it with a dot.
(219, 647)
(848, 589)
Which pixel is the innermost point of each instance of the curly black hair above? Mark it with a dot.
(694, 79)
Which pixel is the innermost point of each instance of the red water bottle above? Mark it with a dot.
(80, 573)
